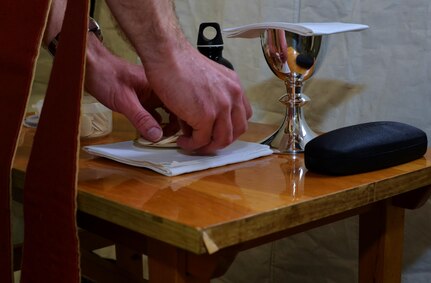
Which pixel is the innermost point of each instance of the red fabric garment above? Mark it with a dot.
(22, 25)
(51, 249)
(51, 244)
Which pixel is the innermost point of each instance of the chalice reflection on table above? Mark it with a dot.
(294, 172)
(293, 59)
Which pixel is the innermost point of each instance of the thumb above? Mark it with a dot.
(144, 122)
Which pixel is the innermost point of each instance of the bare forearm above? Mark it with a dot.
(55, 20)
(151, 26)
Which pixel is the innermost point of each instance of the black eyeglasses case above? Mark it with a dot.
(365, 147)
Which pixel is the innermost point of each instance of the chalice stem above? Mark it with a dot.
(296, 132)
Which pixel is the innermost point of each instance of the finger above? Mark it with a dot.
(228, 128)
(193, 139)
(240, 116)
(240, 92)
(144, 122)
(239, 121)
(222, 136)
(247, 107)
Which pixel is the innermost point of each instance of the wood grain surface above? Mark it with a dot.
(206, 211)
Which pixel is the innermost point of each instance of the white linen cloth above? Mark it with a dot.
(173, 161)
(306, 29)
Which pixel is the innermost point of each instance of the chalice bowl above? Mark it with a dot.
(293, 58)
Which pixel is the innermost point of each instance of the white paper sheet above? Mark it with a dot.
(306, 29)
(172, 161)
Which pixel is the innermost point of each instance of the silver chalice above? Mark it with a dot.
(293, 58)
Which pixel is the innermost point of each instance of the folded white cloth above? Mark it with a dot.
(173, 161)
(306, 29)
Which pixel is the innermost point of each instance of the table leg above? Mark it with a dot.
(170, 264)
(130, 261)
(381, 235)
(166, 263)
(126, 268)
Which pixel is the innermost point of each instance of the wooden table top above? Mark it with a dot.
(209, 210)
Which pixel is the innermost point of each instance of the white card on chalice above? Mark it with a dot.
(305, 29)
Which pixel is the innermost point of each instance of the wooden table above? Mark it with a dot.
(192, 226)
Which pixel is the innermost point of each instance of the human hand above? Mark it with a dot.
(206, 97)
(123, 87)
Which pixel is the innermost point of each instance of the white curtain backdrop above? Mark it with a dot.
(383, 73)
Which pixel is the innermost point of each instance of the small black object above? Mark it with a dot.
(305, 61)
(365, 147)
(212, 47)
